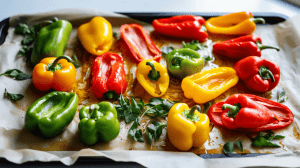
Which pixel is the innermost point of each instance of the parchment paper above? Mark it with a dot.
(18, 145)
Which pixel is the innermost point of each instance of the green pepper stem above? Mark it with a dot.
(194, 108)
(232, 108)
(265, 72)
(176, 61)
(261, 47)
(59, 58)
(153, 74)
(257, 20)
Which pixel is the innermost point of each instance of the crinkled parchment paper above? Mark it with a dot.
(18, 145)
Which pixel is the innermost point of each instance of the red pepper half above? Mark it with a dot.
(259, 74)
(241, 47)
(186, 26)
(139, 43)
(108, 76)
(250, 113)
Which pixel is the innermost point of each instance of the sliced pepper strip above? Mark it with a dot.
(139, 43)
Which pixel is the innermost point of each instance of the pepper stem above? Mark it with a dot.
(194, 108)
(153, 74)
(261, 47)
(191, 115)
(265, 73)
(233, 109)
(258, 20)
(176, 61)
(55, 66)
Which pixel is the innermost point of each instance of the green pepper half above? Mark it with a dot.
(183, 62)
(98, 122)
(50, 114)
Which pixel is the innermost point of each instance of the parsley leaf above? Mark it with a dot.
(13, 97)
(154, 130)
(229, 146)
(22, 29)
(135, 132)
(265, 140)
(16, 74)
(281, 95)
(194, 45)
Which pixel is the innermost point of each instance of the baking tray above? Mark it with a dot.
(270, 18)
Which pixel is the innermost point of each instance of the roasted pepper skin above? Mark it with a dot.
(241, 47)
(185, 26)
(184, 133)
(208, 84)
(61, 80)
(248, 70)
(256, 114)
(96, 36)
(51, 41)
(138, 44)
(183, 62)
(240, 23)
(155, 88)
(98, 122)
(50, 114)
(108, 76)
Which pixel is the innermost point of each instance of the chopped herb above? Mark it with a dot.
(194, 45)
(262, 140)
(13, 97)
(22, 29)
(229, 146)
(281, 95)
(135, 132)
(154, 130)
(16, 74)
(115, 34)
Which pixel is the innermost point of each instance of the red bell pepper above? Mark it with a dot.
(108, 76)
(250, 113)
(139, 43)
(259, 74)
(186, 26)
(241, 47)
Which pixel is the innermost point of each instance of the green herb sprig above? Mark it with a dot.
(16, 74)
(13, 97)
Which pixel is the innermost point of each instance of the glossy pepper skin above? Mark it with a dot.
(50, 114)
(153, 76)
(259, 74)
(185, 133)
(185, 26)
(183, 62)
(138, 43)
(241, 47)
(96, 36)
(209, 84)
(51, 40)
(240, 23)
(54, 72)
(108, 76)
(254, 114)
(98, 122)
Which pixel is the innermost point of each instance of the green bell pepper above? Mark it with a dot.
(51, 113)
(183, 62)
(98, 122)
(51, 40)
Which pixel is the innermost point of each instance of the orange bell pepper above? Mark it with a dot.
(54, 72)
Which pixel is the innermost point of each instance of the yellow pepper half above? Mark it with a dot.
(209, 84)
(153, 76)
(240, 23)
(187, 128)
(96, 36)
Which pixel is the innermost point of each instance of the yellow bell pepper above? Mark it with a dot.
(209, 84)
(96, 36)
(153, 76)
(187, 128)
(239, 23)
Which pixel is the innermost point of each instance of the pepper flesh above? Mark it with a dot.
(241, 47)
(209, 84)
(240, 23)
(186, 26)
(248, 69)
(51, 40)
(98, 122)
(138, 43)
(50, 114)
(259, 114)
(184, 133)
(60, 80)
(96, 36)
(155, 88)
(108, 76)
(183, 62)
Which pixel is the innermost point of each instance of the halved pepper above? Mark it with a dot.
(209, 84)
(51, 40)
(96, 36)
(108, 76)
(183, 62)
(54, 72)
(241, 47)
(240, 23)
(250, 113)
(153, 76)
(50, 114)
(139, 43)
(186, 26)
(98, 122)
(187, 128)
